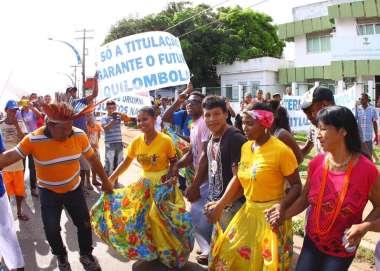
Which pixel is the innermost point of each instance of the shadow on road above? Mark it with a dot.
(157, 266)
(33, 244)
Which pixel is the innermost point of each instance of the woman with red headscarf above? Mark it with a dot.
(249, 242)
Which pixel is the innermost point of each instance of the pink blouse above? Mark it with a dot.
(363, 176)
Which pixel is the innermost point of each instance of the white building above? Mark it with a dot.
(337, 42)
(252, 74)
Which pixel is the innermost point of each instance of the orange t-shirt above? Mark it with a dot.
(94, 135)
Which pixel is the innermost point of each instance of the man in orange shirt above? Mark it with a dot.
(56, 149)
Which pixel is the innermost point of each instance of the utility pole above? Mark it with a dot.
(84, 37)
(75, 73)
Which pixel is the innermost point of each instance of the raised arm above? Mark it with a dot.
(168, 115)
(95, 90)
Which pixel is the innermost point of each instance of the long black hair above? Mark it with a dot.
(342, 117)
(281, 118)
(149, 110)
(260, 106)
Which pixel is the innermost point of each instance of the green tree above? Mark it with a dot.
(213, 37)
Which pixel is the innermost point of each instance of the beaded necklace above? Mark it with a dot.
(341, 197)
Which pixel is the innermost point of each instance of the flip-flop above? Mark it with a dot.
(96, 183)
(34, 193)
(202, 259)
(23, 217)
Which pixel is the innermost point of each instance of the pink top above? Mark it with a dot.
(199, 134)
(363, 176)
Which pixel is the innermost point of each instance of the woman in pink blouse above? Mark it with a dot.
(340, 183)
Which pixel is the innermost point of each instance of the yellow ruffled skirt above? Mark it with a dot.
(250, 244)
(146, 220)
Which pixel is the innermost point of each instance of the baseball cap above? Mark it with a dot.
(11, 104)
(247, 94)
(316, 94)
(276, 94)
(307, 99)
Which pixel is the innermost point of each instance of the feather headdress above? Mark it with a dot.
(62, 112)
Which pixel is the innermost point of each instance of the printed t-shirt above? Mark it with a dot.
(155, 156)
(30, 120)
(79, 104)
(93, 135)
(182, 121)
(11, 139)
(226, 153)
(56, 162)
(363, 176)
(199, 134)
(261, 173)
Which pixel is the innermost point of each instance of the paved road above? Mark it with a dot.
(37, 252)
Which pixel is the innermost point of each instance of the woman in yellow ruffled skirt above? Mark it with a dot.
(147, 220)
(252, 241)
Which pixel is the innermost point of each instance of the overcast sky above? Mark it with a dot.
(30, 62)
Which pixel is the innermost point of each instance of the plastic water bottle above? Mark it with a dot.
(350, 249)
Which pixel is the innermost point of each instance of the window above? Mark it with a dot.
(368, 29)
(318, 44)
(229, 91)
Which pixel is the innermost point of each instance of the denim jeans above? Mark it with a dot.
(203, 229)
(74, 202)
(113, 156)
(32, 172)
(312, 259)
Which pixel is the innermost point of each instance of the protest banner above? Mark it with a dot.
(348, 98)
(131, 66)
(297, 119)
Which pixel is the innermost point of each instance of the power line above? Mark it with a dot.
(195, 15)
(215, 21)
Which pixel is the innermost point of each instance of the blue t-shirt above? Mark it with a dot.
(112, 135)
(182, 120)
(79, 104)
(2, 188)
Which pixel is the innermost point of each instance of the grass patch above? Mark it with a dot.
(300, 137)
(298, 225)
(365, 255)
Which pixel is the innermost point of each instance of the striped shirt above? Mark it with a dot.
(366, 117)
(56, 162)
(113, 134)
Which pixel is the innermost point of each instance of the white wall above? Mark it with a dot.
(254, 65)
(345, 27)
(305, 59)
(267, 79)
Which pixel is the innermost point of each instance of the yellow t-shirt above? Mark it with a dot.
(155, 156)
(261, 173)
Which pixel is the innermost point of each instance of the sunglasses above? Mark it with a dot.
(193, 102)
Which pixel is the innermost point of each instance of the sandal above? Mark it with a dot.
(34, 193)
(202, 259)
(96, 183)
(22, 217)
